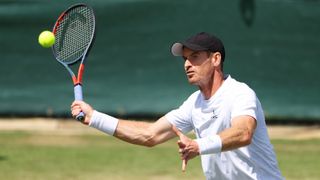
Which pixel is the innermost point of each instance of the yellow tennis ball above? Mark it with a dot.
(46, 39)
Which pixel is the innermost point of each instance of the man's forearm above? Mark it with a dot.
(135, 132)
(234, 137)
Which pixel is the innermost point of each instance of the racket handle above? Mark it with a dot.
(78, 92)
(78, 96)
(184, 165)
(80, 117)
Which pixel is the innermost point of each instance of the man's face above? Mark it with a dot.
(198, 66)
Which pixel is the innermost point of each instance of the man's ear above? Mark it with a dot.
(216, 57)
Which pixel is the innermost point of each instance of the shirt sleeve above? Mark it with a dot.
(181, 117)
(245, 104)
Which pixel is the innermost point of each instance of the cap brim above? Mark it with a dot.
(177, 49)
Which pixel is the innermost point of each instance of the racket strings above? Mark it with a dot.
(74, 34)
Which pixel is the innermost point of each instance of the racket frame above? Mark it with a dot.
(77, 80)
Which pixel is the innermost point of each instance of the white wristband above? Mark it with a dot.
(209, 145)
(104, 122)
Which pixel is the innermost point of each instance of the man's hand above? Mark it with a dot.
(188, 148)
(78, 106)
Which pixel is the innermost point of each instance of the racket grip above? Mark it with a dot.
(78, 92)
(80, 117)
(184, 165)
(78, 96)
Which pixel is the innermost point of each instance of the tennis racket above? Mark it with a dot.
(184, 162)
(74, 32)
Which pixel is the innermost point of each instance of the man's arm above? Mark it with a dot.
(135, 132)
(144, 133)
(238, 135)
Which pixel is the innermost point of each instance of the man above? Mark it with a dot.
(225, 115)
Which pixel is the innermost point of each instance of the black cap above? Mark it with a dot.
(199, 42)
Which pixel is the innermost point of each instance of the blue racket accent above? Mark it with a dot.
(78, 92)
(78, 96)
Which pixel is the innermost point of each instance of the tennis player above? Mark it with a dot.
(226, 116)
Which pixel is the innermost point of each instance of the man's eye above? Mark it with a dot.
(194, 56)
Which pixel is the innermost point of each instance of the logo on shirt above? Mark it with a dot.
(214, 115)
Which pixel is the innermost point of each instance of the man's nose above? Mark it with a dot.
(187, 64)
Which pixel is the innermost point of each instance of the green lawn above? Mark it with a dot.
(299, 159)
(25, 155)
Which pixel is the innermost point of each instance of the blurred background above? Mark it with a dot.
(273, 46)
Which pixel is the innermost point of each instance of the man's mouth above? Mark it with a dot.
(189, 73)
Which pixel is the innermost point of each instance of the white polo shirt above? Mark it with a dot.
(209, 117)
